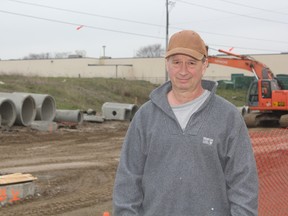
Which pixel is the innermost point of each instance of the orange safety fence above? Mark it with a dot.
(271, 153)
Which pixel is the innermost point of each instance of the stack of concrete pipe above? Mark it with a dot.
(35, 110)
(23, 108)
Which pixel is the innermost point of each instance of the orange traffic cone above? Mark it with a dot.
(106, 213)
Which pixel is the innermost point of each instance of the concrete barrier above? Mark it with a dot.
(75, 116)
(44, 126)
(7, 112)
(16, 192)
(118, 111)
(25, 107)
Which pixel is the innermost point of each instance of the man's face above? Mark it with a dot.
(185, 72)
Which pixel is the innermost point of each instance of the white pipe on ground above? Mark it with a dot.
(45, 106)
(75, 116)
(25, 107)
(7, 112)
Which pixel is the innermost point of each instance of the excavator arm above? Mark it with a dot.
(260, 70)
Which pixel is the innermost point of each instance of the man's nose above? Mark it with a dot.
(184, 69)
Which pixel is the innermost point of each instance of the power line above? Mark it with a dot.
(243, 48)
(229, 12)
(250, 6)
(110, 30)
(242, 37)
(87, 14)
(124, 32)
(137, 22)
(157, 25)
(77, 24)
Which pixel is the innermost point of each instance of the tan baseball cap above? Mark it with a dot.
(186, 42)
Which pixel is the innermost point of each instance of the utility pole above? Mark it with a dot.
(103, 50)
(167, 33)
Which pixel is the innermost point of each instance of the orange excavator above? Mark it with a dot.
(267, 100)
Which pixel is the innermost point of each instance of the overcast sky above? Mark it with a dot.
(124, 26)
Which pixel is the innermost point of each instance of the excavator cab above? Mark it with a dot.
(260, 91)
(252, 96)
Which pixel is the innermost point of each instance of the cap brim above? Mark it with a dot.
(184, 51)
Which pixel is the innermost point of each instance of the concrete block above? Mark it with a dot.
(44, 126)
(15, 192)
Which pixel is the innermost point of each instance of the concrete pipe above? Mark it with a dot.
(45, 106)
(7, 112)
(75, 116)
(25, 107)
(119, 111)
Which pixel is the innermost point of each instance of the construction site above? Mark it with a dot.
(74, 73)
(63, 162)
(73, 169)
(57, 161)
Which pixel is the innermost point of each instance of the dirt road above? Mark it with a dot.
(75, 167)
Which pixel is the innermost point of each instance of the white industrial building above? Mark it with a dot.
(150, 69)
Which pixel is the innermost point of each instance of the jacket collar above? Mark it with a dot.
(159, 95)
(159, 98)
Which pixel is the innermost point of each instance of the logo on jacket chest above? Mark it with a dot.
(207, 141)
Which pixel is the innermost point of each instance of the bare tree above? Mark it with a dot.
(150, 51)
(62, 55)
(80, 53)
(38, 56)
(58, 55)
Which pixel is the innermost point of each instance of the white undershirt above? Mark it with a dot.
(183, 112)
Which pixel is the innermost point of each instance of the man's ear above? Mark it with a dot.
(204, 66)
(166, 65)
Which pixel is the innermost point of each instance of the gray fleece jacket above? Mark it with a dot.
(207, 169)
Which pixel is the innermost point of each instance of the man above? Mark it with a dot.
(187, 151)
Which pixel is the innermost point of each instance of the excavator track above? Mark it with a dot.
(260, 119)
(251, 119)
(284, 121)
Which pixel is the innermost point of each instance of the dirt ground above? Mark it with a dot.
(75, 167)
